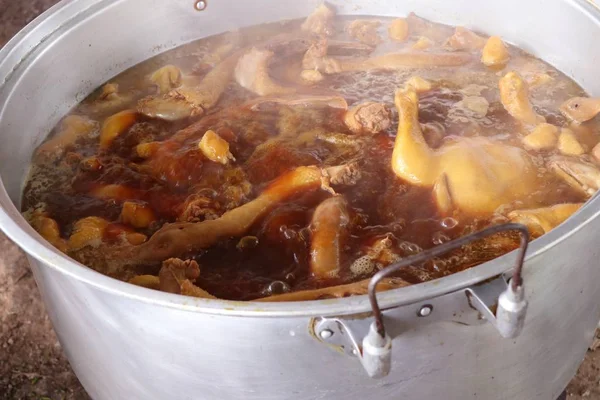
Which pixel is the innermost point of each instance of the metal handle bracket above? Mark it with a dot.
(375, 349)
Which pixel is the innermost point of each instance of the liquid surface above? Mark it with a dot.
(79, 173)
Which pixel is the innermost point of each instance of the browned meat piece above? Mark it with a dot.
(365, 31)
(179, 166)
(580, 109)
(316, 58)
(198, 208)
(275, 157)
(398, 30)
(345, 175)
(116, 125)
(252, 73)
(495, 53)
(166, 78)
(369, 118)
(109, 101)
(465, 39)
(72, 128)
(174, 271)
(215, 148)
(181, 238)
(177, 276)
(514, 93)
(185, 102)
(329, 231)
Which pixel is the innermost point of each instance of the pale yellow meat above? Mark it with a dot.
(495, 53)
(477, 179)
(543, 137)
(329, 231)
(398, 30)
(465, 39)
(116, 125)
(369, 117)
(514, 94)
(252, 73)
(542, 220)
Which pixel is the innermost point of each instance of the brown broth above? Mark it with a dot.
(381, 205)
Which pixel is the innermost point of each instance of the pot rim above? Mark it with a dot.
(18, 53)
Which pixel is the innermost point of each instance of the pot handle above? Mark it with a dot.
(376, 350)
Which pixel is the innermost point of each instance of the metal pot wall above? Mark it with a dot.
(126, 342)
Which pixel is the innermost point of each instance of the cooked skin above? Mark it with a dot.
(181, 238)
(49, 230)
(398, 30)
(110, 91)
(538, 79)
(476, 177)
(568, 144)
(543, 137)
(175, 276)
(252, 73)
(580, 175)
(365, 31)
(368, 118)
(337, 292)
(316, 58)
(187, 102)
(542, 220)
(311, 76)
(329, 231)
(215, 148)
(174, 271)
(581, 109)
(138, 215)
(72, 128)
(88, 231)
(422, 43)
(514, 94)
(109, 101)
(465, 39)
(495, 53)
(596, 152)
(116, 125)
(166, 78)
(419, 84)
(320, 22)
(343, 175)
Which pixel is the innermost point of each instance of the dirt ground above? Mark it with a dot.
(32, 364)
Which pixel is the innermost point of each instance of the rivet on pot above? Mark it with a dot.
(326, 334)
(200, 5)
(425, 311)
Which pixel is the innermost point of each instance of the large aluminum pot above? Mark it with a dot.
(126, 342)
